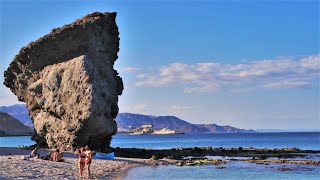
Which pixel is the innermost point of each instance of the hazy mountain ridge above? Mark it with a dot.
(10, 126)
(127, 120)
(18, 111)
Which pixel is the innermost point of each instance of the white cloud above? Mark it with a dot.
(135, 108)
(210, 77)
(288, 84)
(180, 107)
(179, 110)
(128, 69)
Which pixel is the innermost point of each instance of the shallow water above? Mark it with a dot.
(233, 170)
(14, 141)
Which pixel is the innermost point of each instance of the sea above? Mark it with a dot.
(301, 140)
(231, 170)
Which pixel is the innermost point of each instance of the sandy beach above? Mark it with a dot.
(13, 167)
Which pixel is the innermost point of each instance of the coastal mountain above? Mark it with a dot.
(10, 126)
(128, 121)
(20, 112)
(213, 128)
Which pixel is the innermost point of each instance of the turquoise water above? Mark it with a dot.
(14, 141)
(233, 170)
(302, 140)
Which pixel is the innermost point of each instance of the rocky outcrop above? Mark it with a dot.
(179, 153)
(286, 161)
(68, 83)
(10, 126)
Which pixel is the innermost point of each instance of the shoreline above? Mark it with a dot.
(13, 167)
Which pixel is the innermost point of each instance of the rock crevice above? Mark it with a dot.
(69, 85)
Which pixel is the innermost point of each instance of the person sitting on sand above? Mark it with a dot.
(88, 160)
(47, 156)
(59, 157)
(82, 160)
(34, 153)
(56, 156)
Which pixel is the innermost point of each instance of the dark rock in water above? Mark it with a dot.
(285, 169)
(68, 83)
(180, 153)
(221, 167)
(10, 126)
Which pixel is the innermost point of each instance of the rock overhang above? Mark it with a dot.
(67, 77)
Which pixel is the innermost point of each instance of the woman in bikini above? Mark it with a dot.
(88, 160)
(82, 160)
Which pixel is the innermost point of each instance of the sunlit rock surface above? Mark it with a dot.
(69, 85)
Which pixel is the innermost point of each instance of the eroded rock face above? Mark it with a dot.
(69, 85)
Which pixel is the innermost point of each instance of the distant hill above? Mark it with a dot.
(127, 121)
(20, 112)
(213, 128)
(10, 126)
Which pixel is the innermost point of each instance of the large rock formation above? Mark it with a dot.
(68, 82)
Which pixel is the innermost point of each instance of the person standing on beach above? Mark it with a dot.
(88, 160)
(82, 159)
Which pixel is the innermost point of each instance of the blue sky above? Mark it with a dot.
(249, 64)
